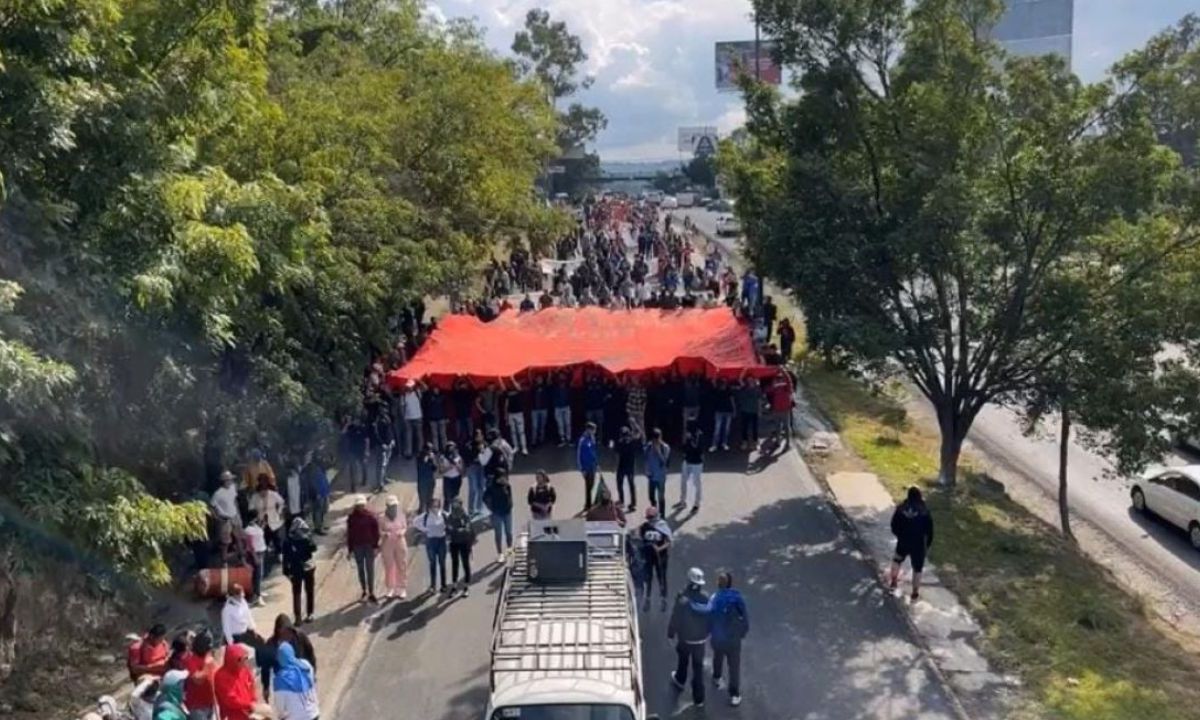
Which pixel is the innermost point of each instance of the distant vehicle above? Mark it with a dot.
(1172, 494)
(722, 205)
(568, 650)
(653, 197)
(686, 199)
(670, 202)
(728, 225)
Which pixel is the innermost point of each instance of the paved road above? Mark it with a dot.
(1096, 494)
(825, 642)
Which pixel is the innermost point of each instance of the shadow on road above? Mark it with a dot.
(1168, 536)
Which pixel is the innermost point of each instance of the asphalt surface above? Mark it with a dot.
(1097, 493)
(825, 642)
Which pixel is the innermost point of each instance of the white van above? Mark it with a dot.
(568, 651)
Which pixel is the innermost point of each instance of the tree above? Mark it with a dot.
(949, 186)
(212, 216)
(702, 171)
(549, 54)
(1164, 76)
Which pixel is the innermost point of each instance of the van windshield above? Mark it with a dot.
(563, 712)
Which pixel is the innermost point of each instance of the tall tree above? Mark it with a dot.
(1164, 76)
(950, 187)
(550, 54)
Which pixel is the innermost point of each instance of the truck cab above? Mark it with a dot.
(568, 650)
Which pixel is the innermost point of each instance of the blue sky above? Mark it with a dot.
(653, 59)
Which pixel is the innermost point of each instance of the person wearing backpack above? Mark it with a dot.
(432, 525)
(461, 534)
(729, 623)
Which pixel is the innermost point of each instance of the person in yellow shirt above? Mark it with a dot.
(255, 466)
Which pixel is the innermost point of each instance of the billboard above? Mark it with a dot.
(735, 58)
(696, 138)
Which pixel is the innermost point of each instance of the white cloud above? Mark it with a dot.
(653, 59)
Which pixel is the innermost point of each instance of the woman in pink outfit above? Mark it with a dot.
(394, 529)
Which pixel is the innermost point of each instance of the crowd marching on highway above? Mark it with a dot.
(622, 255)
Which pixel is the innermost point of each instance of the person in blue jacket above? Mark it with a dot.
(588, 457)
(728, 624)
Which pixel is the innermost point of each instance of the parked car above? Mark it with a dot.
(1172, 494)
(686, 199)
(728, 225)
(670, 202)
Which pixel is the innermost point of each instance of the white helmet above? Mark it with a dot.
(696, 576)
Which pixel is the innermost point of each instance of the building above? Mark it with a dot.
(1037, 27)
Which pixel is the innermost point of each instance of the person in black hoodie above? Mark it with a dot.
(461, 534)
(689, 629)
(299, 567)
(913, 527)
(629, 446)
(499, 500)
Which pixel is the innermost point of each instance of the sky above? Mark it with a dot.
(652, 60)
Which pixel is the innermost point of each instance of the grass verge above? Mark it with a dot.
(1084, 648)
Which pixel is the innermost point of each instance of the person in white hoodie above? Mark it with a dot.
(237, 622)
(293, 692)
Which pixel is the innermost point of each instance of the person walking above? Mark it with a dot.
(414, 432)
(628, 447)
(655, 536)
(692, 470)
(294, 693)
(461, 534)
(514, 413)
(300, 568)
(658, 458)
(541, 497)
(688, 627)
(452, 471)
(428, 463)
(635, 407)
(233, 685)
(587, 457)
(353, 450)
(913, 527)
(769, 312)
(787, 339)
(432, 525)
(475, 477)
(729, 623)
(316, 482)
(383, 442)
(561, 396)
(748, 399)
(224, 500)
(394, 549)
(256, 539)
(723, 409)
(198, 695)
(434, 409)
(362, 541)
(498, 498)
(539, 411)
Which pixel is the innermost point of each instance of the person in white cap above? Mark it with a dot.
(394, 549)
(689, 629)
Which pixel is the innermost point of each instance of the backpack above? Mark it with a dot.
(733, 618)
(460, 533)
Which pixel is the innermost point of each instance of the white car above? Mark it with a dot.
(670, 202)
(728, 225)
(1173, 494)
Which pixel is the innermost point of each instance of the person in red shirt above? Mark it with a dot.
(148, 656)
(362, 541)
(198, 688)
(782, 402)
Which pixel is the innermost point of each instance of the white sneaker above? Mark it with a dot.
(403, 594)
(735, 700)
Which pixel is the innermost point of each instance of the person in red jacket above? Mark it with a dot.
(233, 685)
(362, 541)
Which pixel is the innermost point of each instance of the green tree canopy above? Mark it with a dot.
(951, 188)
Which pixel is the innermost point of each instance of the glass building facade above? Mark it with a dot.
(1037, 27)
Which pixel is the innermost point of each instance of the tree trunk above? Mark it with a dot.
(1064, 443)
(8, 619)
(954, 430)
